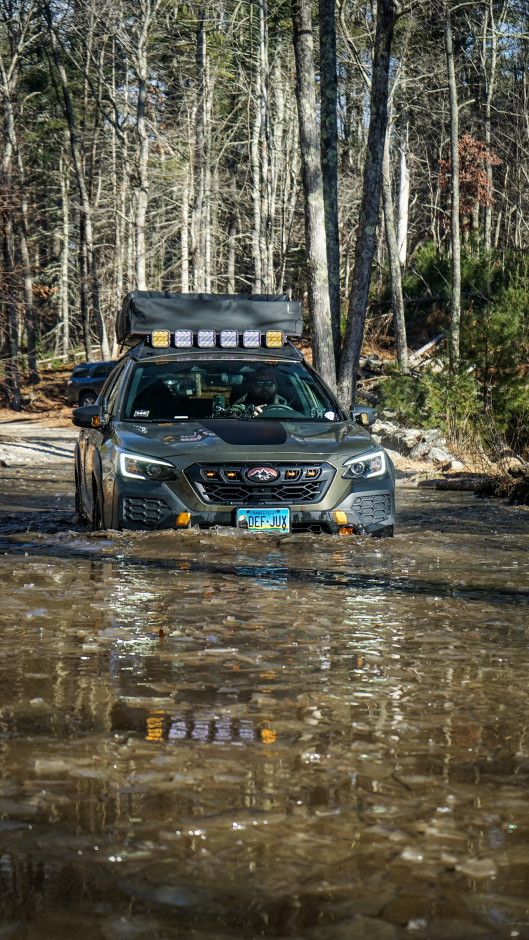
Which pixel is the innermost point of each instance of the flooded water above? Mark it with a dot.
(217, 735)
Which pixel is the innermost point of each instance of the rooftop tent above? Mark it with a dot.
(145, 311)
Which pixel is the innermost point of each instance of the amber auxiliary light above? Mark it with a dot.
(160, 338)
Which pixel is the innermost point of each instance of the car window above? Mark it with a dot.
(111, 389)
(79, 371)
(179, 390)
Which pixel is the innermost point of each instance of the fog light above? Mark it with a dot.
(160, 338)
(183, 518)
(347, 530)
(340, 516)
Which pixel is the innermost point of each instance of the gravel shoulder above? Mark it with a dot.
(30, 443)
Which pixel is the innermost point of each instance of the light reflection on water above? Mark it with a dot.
(217, 736)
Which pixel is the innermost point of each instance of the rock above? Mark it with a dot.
(520, 493)
(400, 439)
(440, 456)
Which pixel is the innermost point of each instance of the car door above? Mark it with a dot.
(93, 438)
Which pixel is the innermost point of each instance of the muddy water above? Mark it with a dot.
(216, 735)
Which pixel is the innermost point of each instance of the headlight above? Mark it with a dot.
(145, 468)
(368, 465)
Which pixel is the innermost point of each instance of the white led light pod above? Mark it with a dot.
(183, 338)
(229, 338)
(251, 339)
(206, 339)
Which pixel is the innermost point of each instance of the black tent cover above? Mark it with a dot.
(145, 310)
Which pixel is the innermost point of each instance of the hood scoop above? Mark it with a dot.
(257, 432)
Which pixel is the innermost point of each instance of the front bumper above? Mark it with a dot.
(369, 508)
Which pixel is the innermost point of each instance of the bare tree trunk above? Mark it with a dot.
(142, 176)
(65, 254)
(490, 81)
(397, 300)
(232, 224)
(367, 227)
(255, 163)
(28, 278)
(278, 160)
(11, 372)
(207, 204)
(317, 277)
(184, 236)
(83, 289)
(88, 257)
(290, 195)
(329, 161)
(455, 298)
(199, 247)
(404, 201)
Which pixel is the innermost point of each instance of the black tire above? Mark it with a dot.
(97, 515)
(80, 516)
(385, 533)
(87, 398)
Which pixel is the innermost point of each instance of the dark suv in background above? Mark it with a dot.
(87, 380)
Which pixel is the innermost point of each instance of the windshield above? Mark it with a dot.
(179, 390)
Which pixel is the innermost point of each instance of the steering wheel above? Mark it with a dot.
(276, 411)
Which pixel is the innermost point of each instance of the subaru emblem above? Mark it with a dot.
(262, 474)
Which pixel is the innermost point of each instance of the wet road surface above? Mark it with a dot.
(217, 735)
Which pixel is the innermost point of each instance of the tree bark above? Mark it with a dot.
(367, 227)
(317, 276)
(455, 298)
(255, 92)
(265, 219)
(404, 201)
(29, 317)
(11, 371)
(65, 254)
(142, 176)
(397, 301)
(87, 253)
(329, 161)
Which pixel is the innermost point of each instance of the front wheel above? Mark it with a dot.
(80, 515)
(385, 533)
(87, 398)
(97, 515)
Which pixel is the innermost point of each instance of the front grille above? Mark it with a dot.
(227, 485)
(148, 511)
(373, 508)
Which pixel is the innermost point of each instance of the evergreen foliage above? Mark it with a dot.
(490, 395)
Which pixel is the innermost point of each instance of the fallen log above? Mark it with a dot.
(419, 353)
(465, 482)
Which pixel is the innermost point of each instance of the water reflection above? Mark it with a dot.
(219, 736)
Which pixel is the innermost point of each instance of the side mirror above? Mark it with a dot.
(88, 416)
(364, 415)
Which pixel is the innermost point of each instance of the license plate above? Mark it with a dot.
(264, 520)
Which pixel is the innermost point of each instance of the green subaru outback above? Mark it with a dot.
(214, 418)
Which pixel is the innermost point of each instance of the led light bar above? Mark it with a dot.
(160, 338)
(206, 339)
(274, 338)
(183, 338)
(251, 339)
(229, 338)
